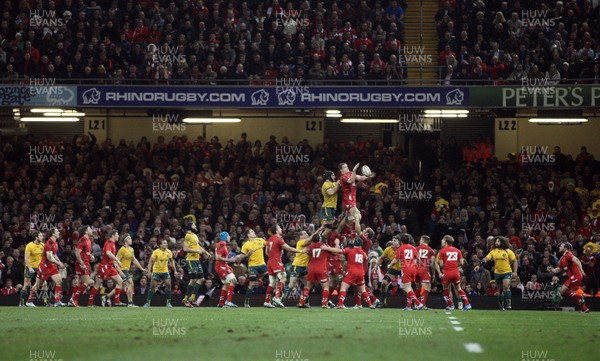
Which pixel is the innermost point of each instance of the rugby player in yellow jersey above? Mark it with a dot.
(158, 265)
(257, 267)
(299, 264)
(393, 272)
(33, 257)
(191, 246)
(126, 255)
(329, 189)
(505, 267)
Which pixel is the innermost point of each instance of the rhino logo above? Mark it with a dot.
(65, 97)
(286, 96)
(91, 96)
(455, 97)
(260, 97)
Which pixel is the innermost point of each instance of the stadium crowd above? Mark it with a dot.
(523, 42)
(254, 42)
(147, 190)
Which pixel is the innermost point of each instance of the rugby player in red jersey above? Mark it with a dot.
(348, 181)
(572, 265)
(83, 253)
(335, 270)
(424, 266)
(107, 267)
(366, 235)
(225, 272)
(407, 255)
(355, 272)
(50, 265)
(449, 260)
(275, 268)
(317, 271)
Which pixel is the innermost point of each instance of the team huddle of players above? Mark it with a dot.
(317, 260)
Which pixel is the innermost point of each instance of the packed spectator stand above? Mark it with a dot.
(233, 185)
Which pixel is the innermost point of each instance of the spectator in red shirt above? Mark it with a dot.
(8, 288)
(139, 34)
(495, 69)
(445, 53)
(492, 291)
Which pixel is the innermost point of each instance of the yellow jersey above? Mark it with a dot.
(388, 254)
(329, 201)
(258, 257)
(161, 260)
(503, 259)
(301, 259)
(125, 255)
(591, 245)
(35, 252)
(193, 243)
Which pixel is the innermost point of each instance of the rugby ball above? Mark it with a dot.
(366, 171)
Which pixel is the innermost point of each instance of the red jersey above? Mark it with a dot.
(367, 244)
(331, 243)
(408, 256)
(317, 258)
(222, 251)
(49, 246)
(348, 190)
(356, 257)
(425, 253)
(275, 248)
(85, 245)
(109, 245)
(572, 269)
(451, 257)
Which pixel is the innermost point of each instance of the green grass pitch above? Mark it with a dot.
(315, 334)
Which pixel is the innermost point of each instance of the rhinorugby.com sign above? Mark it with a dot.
(281, 95)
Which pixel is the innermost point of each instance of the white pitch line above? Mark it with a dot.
(455, 322)
(456, 328)
(473, 347)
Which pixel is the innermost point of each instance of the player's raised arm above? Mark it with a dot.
(331, 249)
(288, 248)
